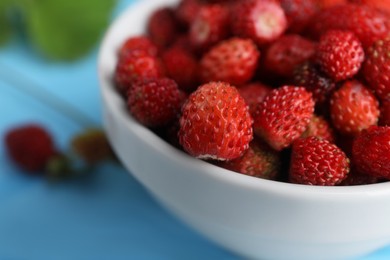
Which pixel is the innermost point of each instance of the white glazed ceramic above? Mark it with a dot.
(253, 217)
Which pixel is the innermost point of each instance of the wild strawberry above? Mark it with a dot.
(234, 61)
(299, 13)
(154, 101)
(253, 94)
(262, 21)
(367, 23)
(215, 123)
(210, 26)
(162, 27)
(383, 5)
(187, 10)
(138, 43)
(30, 147)
(317, 162)
(371, 151)
(353, 108)
(134, 66)
(309, 76)
(339, 54)
(376, 68)
(385, 113)
(283, 116)
(286, 53)
(182, 67)
(319, 128)
(258, 161)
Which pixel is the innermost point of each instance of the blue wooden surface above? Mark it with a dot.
(107, 215)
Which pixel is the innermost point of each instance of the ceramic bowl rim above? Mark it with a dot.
(113, 102)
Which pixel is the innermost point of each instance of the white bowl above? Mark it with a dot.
(253, 217)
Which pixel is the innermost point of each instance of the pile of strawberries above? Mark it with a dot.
(287, 90)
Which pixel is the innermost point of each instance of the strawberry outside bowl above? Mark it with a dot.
(252, 217)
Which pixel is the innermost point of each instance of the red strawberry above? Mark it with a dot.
(376, 68)
(215, 123)
(283, 116)
(367, 23)
(253, 94)
(210, 26)
(309, 76)
(182, 67)
(187, 10)
(135, 66)
(385, 113)
(30, 147)
(162, 27)
(154, 102)
(317, 162)
(138, 43)
(353, 108)
(383, 5)
(258, 161)
(371, 151)
(234, 61)
(299, 13)
(262, 21)
(339, 54)
(319, 128)
(288, 52)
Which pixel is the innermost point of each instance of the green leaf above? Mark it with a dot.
(5, 26)
(66, 29)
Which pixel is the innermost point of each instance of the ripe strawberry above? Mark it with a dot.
(262, 21)
(30, 147)
(367, 23)
(383, 5)
(234, 61)
(371, 151)
(253, 94)
(138, 43)
(154, 101)
(309, 76)
(339, 54)
(187, 10)
(376, 68)
(385, 113)
(283, 116)
(181, 66)
(162, 27)
(288, 52)
(319, 128)
(317, 162)
(353, 108)
(210, 26)
(134, 66)
(215, 123)
(299, 13)
(258, 161)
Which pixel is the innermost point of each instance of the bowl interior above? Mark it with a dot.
(131, 23)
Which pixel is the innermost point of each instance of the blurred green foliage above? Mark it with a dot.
(59, 29)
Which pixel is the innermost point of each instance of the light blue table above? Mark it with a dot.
(105, 216)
